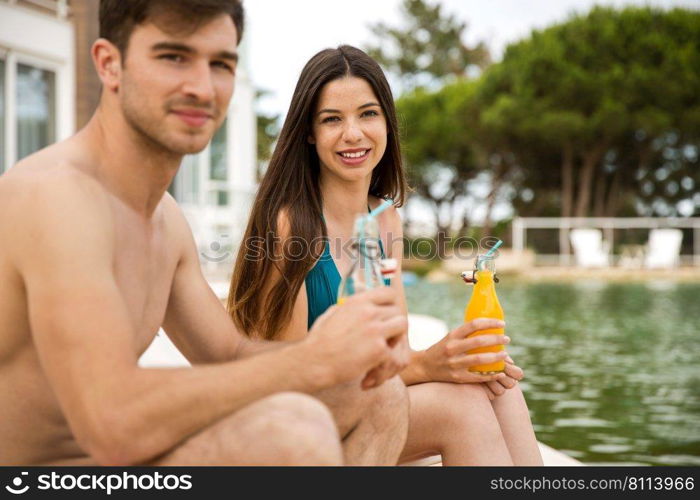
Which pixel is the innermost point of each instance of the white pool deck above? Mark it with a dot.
(423, 332)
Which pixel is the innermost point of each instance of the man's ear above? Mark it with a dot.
(108, 63)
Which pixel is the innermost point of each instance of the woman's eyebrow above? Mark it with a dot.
(366, 105)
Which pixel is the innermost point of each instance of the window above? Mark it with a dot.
(218, 166)
(36, 109)
(203, 178)
(29, 105)
(188, 180)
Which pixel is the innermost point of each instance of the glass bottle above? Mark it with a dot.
(365, 271)
(484, 304)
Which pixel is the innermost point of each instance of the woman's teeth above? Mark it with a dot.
(354, 155)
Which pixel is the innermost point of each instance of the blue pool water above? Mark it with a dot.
(612, 373)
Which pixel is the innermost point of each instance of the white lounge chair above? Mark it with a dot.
(663, 248)
(589, 248)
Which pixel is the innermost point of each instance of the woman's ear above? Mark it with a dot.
(311, 139)
(107, 60)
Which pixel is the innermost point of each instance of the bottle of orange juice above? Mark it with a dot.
(484, 304)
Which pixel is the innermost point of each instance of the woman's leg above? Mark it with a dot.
(456, 421)
(516, 427)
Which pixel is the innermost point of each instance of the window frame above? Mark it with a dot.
(12, 59)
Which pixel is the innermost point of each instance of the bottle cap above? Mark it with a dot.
(468, 277)
(388, 267)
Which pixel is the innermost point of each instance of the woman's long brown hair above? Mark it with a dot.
(291, 183)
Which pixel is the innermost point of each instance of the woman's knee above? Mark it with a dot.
(460, 403)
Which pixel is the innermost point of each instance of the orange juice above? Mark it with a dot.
(484, 304)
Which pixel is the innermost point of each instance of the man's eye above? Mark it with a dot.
(224, 66)
(172, 57)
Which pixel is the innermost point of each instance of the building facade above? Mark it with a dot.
(49, 89)
(37, 77)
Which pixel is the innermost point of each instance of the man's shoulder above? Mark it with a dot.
(42, 198)
(174, 215)
(48, 177)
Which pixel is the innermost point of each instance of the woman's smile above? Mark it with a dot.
(355, 156)
(349, 129)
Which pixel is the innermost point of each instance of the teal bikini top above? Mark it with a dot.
(322, 284)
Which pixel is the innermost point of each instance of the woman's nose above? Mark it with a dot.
(352, 132)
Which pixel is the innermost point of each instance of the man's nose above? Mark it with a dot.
(199, 83)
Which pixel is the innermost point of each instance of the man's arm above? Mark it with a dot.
(85, 339)
(195, 320)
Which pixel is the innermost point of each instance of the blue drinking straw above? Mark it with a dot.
(481, 258)
(363, 249)
(365, 258)
(493, 249)
(386, 204)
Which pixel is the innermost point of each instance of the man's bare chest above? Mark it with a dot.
(144, 267)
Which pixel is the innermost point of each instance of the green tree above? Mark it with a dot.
(591, 108)
(267, 132)
(427, 48)
(439, 148)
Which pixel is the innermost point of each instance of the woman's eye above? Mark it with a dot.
(329, 119)
(370, 112)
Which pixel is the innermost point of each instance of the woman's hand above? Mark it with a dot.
(512, 375)
(448, 361)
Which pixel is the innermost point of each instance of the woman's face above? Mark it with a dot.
(349, 129)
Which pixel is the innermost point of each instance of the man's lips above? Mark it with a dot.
(193, 118)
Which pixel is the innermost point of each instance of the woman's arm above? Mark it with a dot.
(297, 326)
(445, 361)
(391, 228)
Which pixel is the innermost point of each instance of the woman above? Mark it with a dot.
(338, 155)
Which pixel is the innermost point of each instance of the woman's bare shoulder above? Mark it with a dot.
(390, 219)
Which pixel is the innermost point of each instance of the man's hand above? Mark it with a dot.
(448, 361)
(368, 331)
(401, 356)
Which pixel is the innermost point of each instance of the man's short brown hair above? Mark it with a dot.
(119, 17)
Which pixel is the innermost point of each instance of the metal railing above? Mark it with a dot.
(59, 8)
(607, 225)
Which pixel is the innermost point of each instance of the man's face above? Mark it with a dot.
(175, 89)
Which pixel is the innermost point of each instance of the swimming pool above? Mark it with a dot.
(612, 372)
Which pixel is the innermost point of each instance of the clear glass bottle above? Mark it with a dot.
(484, 304)
(365, 273)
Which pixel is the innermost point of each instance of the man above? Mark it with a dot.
(96, 256)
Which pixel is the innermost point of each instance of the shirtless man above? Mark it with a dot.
(95, 256)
